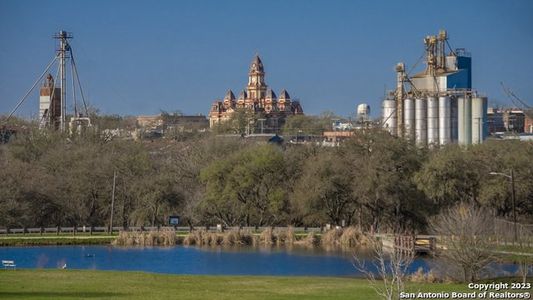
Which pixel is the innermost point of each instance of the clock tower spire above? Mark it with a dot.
(256, 80)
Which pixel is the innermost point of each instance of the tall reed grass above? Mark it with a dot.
(347, 237)
(228, 238)
(163, 237)
(310, 240)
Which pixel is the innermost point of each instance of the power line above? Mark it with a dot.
(79, 83)
(31, 89)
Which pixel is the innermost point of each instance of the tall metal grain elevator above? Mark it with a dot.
(438, 105)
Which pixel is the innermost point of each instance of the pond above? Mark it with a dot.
(274, 261)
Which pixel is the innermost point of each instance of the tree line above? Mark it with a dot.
(372, 180)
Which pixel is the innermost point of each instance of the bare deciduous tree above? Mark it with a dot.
(388, 270)
(464, 230)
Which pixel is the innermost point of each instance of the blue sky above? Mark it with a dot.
(137, 57)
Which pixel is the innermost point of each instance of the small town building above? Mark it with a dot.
(513, 120)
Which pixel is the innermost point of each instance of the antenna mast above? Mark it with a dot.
(62, 54)
(53, 101)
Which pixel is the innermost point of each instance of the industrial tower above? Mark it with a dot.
(438, 105)
(53, 99)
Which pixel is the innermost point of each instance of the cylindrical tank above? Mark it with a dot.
(389, 115)
(433, 120)
(444, 120)
(409, 117)
(363, 109)
(464, 120)
(363, 112)
(479, 119)
(421, 121)
(453, 118)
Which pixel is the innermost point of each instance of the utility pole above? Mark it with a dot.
(513, 200)
(514, 206)
(112, 203)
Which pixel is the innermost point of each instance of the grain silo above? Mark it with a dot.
(421, 121)
(409, 118)
(438, 105)
(389, 115)
(479, 119)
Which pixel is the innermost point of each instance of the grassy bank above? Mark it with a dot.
(106, 239)
(52, 239)
(164, 237)
(76, 284)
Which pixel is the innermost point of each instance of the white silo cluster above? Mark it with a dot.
(433, 120)
(437, 106)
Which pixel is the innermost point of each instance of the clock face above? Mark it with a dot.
(253, 66)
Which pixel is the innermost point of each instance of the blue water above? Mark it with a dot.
(195, 260)
(188, 260)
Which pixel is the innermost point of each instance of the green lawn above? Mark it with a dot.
(30, 240)
(516, 248)
(78, 284)
(100, 238)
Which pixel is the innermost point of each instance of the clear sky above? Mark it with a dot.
(138, 57)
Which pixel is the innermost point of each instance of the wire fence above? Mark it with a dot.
(515, 234)
(103, 229)
(504, 232)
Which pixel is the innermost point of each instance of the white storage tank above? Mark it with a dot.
(363, 109)
(433, 120)
(409, 117)
(389, 115)
(464, 120)
(363, 112)
(421, 121)
(479, 119)
(444, 120)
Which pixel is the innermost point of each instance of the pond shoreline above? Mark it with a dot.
(348, 238)
(194, 239)
(65, 240)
